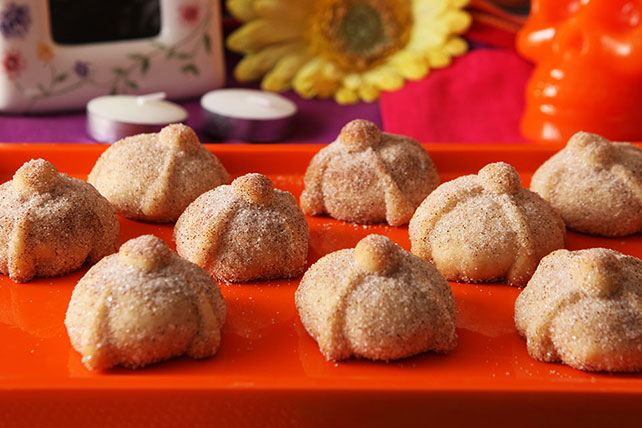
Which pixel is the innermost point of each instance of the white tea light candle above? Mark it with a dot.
(112, 117)
(247, 114)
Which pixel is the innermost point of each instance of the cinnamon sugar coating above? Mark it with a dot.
(368, 176)
(584, 308)
(154, 177)
(486, 227)
(376, 301)
(50, 223)
(244, 231)
(595, 185)
(144, 305)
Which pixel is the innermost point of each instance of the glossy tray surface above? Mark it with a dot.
(265, 349)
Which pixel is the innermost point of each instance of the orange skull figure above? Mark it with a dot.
(588, 76)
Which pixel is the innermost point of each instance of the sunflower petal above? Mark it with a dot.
(456, 46)
(312, 80)
(332, 71)
(262, 32)
(424, 44)
(242, 9)
(410, 66)
(305, 80)
(459, 4)
(385, 78)
(428, 10)
(255, 65)
(458, 21)
(439, 58)
(352, 81)
(329, 80)
(278, 9)
(428, 36)
(346, 96)
(279, 79)
(368, 93)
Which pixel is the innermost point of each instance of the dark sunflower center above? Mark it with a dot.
(358, 35)
(361, 29)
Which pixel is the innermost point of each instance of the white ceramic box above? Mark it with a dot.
(185, 58)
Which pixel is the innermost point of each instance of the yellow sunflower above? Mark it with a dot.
(346, 49)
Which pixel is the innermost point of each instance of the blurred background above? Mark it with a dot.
(451, 71)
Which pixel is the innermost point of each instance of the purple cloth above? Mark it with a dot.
(318, 121)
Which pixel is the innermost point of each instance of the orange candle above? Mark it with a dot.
(588, 75)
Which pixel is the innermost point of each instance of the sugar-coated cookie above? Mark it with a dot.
(486, 227)
(376, 301)
(368, 176)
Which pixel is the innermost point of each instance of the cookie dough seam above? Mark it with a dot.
(336, 330)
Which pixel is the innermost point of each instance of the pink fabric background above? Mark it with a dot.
(478, 99)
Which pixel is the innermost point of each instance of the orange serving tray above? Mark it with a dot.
(269, 372)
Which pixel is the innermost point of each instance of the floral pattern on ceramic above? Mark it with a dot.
(13, 64)
(15, 20)
(36, 74)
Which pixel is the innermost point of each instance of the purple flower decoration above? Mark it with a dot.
(81, 69)
(15, 20)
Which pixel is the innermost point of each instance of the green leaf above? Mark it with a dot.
(131, 84)
(158, 45)
(119, 71)
(207, 42)
(60, 78)
(135, 56)
(190, 68)
(144, 66)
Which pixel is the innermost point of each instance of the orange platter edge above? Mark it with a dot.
(269, 372)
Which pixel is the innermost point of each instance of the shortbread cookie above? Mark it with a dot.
(245, 231)
(154, 177)
(144, 305)
(368, 176)
(376, 301)
(595, 185)
(486, 227)
(584, 308)
(50, 223)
